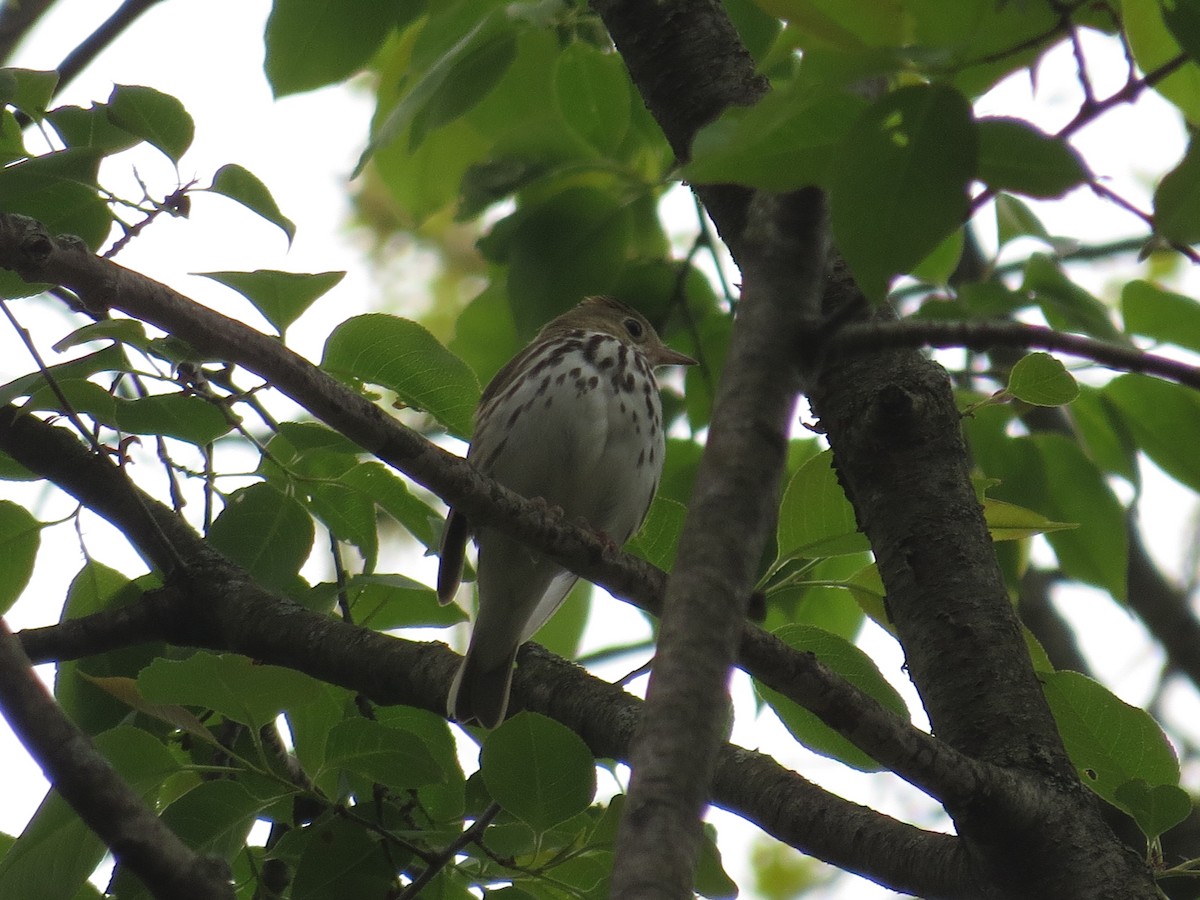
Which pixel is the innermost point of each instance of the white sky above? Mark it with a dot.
(209, 55)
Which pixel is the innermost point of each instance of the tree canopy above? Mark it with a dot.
(272, 661)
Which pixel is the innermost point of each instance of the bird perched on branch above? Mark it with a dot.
(574, 419)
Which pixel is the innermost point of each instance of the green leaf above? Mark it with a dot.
(1105, 436)
(593, 94)
(124, 331)
(81, 397)
(433, 177)
(1065, 304)
(266, 532)
(1157, 808)
(157, 118)
(1177, 200)
(183, 416)
(109, 359)
(57, 852)
(454, 83)
(313, 450)
(213, 818)
(234, 686)
(379, 753)
(282, 297)
(12, 141)
(1015, 156)
(91, 128)
(712, 881)
(942, 262)
(20, 537)
(1165, 421)
(824, 596)
(485, 335)
(349, 515)
(403, 357)
(312, 43)
(788, 140)
(561, 633)
(700, 385)
(1182, 18)
(1153, 46)
(59, 190)
(1009, 522)
(900, 181)
(1041, 380)
(1161, 315)
(11, 470)
(342, 859)
(1110, 742)
(573, 244)
(387, 601)
(1015, 219)
(392, 495)
(96, 588)
(538, 770)
(1098, 550)
(29, 90)
(125, 690)
(815, 518)
(832, 22)
(852, 664)
(658, 538)
(240, 184)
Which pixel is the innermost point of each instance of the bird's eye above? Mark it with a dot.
(634, 327)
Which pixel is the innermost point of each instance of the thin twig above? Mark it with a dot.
(105, 802)
(1088, 113)
(469, 836)
(67, 408)
(980, 335)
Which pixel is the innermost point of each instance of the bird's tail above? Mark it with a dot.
(479, 693)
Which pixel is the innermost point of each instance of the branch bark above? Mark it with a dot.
(894, 427)
(731, 515)
(914, 755)
(211, 603)
(988, 333)
(87, 781)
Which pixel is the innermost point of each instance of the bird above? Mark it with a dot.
(573, 420)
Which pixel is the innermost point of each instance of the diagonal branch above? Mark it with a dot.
(728, 523)
(155, 531)
(213, 604)
(88, 782)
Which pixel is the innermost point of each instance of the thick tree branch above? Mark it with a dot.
(914, 755)
(26, 248)
(688, 63)
(95, 43)
(88, 782)
(883, 735)
(892, 422)
(211, 603)
(894, 742)
(16, 21)
(731, 515)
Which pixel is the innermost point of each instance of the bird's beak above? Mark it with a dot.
(665, 356)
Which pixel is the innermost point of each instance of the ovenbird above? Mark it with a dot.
(574, 419)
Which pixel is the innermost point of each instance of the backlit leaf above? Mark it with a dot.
(900, 181)
(404, 357)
